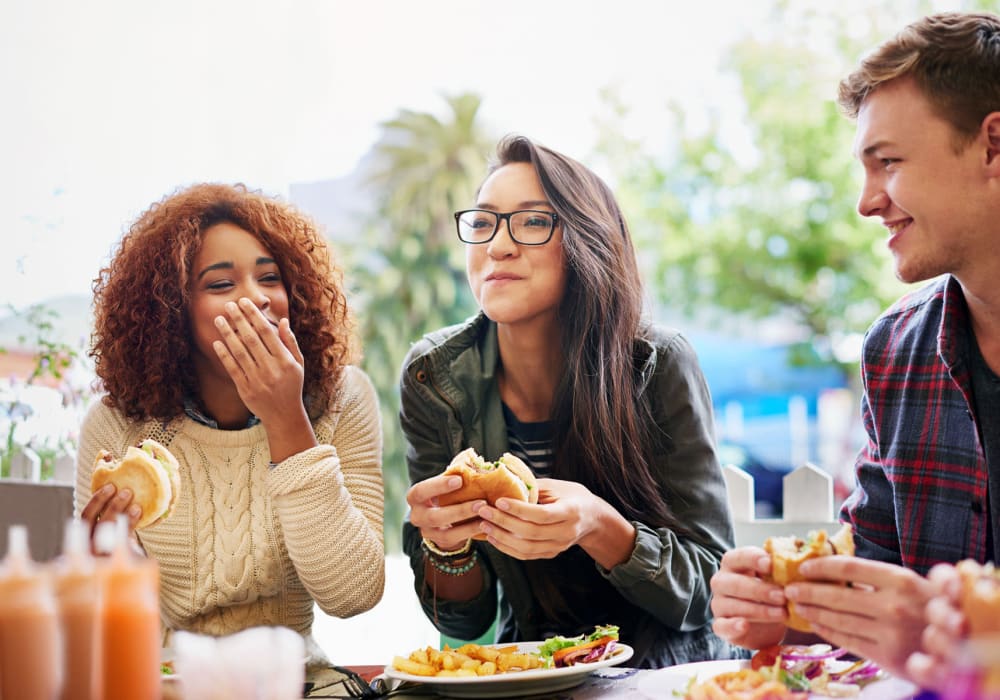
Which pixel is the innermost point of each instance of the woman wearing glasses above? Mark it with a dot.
(611, 414)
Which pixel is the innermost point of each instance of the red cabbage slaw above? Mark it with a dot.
(818, 668)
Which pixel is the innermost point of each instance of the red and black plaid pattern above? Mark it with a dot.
(922, 477)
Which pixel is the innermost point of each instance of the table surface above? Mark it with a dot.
(612, 683)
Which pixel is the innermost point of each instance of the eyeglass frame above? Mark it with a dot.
(500, 217)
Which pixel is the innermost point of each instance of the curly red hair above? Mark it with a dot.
(142, 344)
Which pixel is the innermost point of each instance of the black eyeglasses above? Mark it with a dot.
(527, 227)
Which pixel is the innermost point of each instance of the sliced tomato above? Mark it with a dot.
(765, 657)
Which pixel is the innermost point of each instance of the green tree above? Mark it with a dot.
(410, 275)
(755, 217)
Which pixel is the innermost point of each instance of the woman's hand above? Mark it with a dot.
(448, 527)
(567, 513)
(264, 361)
(105, 505)
(749, 611)
(266, 366)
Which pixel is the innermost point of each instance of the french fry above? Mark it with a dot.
(414, 668)
(468, 660)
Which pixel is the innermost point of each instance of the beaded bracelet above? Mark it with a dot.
(460, 569)
(439, 553)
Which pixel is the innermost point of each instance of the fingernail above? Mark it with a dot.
(134, 512)
(220, 321)
(125, 494)
(792, 592)
(503, 504)
(776, 612)
(477, 505)
(776, 597)
(107, 489)
(454, 482)
(764, 565)
(486, 528)
(231, 307)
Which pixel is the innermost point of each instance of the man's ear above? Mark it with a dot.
(991, 131)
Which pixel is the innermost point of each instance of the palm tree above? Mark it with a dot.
(411, 276)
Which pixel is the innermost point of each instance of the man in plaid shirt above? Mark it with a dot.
(927, 104)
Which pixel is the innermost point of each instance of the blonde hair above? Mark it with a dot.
(954, 58)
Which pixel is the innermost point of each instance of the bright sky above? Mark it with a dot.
(110, 104)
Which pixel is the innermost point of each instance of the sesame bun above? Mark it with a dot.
(508, 477)
(789, 553)
(149, 471)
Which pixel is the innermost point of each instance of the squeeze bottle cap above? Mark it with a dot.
(75, 538)
(18, 560)
(105, 537)
(17, 542)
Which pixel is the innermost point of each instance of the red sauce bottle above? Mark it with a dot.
(130, 646)
(30, 653)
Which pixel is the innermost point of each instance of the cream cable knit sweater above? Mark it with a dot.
(248, 545)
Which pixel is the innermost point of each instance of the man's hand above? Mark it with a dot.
(749, 611)
(877, 612)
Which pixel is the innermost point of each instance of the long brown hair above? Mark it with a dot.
(603, 431)
(954, 57)
(142, 344)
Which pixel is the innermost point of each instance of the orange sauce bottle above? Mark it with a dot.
(30, 663)
(78, 594)
(130, 648)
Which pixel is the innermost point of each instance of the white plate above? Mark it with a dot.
(516, 683)
(664, 682)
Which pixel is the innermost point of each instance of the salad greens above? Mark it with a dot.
(553, 644)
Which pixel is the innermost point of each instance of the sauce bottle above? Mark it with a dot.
(130, 648)
(78, 595)
(30, 663)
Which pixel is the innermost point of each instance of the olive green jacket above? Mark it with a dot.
(450, 401)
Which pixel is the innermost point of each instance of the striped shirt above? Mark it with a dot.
(922, 475)
(530, 442)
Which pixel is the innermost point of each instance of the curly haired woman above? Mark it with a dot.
(222, 331)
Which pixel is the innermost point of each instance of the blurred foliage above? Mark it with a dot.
(748, 214)
(52, 359)
(409, 267)
(751, 212)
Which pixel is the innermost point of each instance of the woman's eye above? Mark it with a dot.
(538, 222)
(886, 162)
(271, 277)
(222, 284)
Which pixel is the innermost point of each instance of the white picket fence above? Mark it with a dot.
(807, 504)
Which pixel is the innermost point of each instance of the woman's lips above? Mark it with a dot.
(500, 277)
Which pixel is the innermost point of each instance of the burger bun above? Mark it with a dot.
(149, 471)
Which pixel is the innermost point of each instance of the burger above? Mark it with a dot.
(789, 553)
(507, 477)
(979, 599)
(149, 471)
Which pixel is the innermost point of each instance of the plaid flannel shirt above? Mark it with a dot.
(922, 476)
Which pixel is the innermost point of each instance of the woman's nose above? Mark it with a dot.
(259, 298)
(503, 243)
